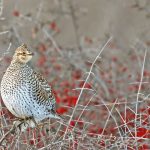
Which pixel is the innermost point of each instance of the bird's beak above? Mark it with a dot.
(31, 54)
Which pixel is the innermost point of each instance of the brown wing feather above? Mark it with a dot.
(45, 90)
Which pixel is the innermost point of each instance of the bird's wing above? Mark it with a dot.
(44, 91)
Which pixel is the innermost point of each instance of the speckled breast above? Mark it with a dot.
(14, 92)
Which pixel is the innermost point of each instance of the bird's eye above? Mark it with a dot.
(23, 53)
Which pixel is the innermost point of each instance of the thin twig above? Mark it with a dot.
(87, 78)
(7, 133)
(139, 89)
(74, 20)
(6, 52)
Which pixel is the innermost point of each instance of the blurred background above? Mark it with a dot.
(66, 36)
(128, 21)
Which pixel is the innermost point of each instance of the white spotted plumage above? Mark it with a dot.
(25, 92)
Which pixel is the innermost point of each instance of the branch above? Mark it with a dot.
(7, 133)
(83, 87)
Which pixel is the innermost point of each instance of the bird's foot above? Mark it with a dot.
(34, 123)
(20, 126)
(23, 123)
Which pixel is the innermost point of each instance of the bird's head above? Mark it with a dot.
(23, 54)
